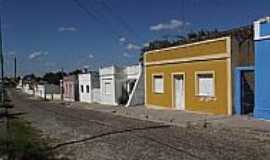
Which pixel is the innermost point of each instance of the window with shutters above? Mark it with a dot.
(205, 84)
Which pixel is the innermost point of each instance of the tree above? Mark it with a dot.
(76, 72)
(181, 39)
(29, 77)
(53, 78)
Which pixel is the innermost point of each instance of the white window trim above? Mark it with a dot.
(82, 88)
(257, 30)
(153, 84)
(197, 83)
(87, 87)
(173, 87)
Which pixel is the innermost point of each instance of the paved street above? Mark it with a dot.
(88, 134)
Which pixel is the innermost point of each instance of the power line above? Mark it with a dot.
(96, 17)
(118, 18)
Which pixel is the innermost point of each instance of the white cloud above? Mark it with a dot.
(122, 39)
(86, 67)
(10, 53)
(50, 64)
(91, 56)
(131, 46)
(67, 29)
(174, 24)
(37, 54)
(128, 55)
(146, 44)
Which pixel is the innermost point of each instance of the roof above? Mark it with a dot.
(241, 33)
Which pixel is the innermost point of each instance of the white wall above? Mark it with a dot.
(138, 93)
(40, 91)
(84, 80)
(132, 72)
(96, 95)
(117, 77)
(107, 96)
(26, 89)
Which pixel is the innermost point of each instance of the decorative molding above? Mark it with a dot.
(188, 45)
(191, 59)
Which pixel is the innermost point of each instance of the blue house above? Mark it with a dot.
(262, 68)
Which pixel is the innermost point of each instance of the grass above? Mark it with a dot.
(24, 142)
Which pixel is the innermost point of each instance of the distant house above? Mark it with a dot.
(199, 76)
(89, 87)
(134, 84)
(117, 85)
(28, 87)
(47, 91)
(70, 85)
(20, 84)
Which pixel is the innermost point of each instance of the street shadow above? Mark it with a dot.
(11, 115)
(108, 134)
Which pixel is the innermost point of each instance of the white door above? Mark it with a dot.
(179, 90)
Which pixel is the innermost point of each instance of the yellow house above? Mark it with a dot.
(195, 77)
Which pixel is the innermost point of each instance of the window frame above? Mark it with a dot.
(197, 83)
(105, 90)
(82, 88)
(87, 89)
(153, 83)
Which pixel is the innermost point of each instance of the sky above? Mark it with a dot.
(46, 35)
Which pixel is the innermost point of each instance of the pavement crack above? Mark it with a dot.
(172, 147)
(108, 134)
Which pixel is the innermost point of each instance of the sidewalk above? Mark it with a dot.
(179, 118)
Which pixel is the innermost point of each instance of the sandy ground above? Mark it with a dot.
(87, 134)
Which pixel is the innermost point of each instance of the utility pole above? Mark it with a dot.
(2, 63)
(3, 104)
(62, 85)
(15, 68)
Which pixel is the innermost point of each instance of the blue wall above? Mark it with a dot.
(265, 29)
(237, 88)
(262, 80)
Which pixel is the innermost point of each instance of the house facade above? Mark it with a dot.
(197, 76)
(122, 85)
(262, 48)
(111, 80)
(88, 83)
(47, 91)
(70, 85)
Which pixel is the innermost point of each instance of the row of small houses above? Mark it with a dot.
(213, 75)
(111, 86)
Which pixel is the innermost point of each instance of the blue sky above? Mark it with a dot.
(46, 35)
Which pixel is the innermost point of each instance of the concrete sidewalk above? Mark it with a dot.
(179, 118)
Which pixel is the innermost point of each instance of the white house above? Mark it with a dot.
(135, 85)
(40, 90)
(111, 80)
(27, 88)
(120, 85)
(20, 84)
(89, 87)
(47, 91)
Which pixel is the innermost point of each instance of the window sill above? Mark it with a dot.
(158, 92)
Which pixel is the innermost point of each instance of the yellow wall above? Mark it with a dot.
(220, 104)
(187, 51)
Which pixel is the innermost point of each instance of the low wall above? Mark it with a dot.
(96, 95)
